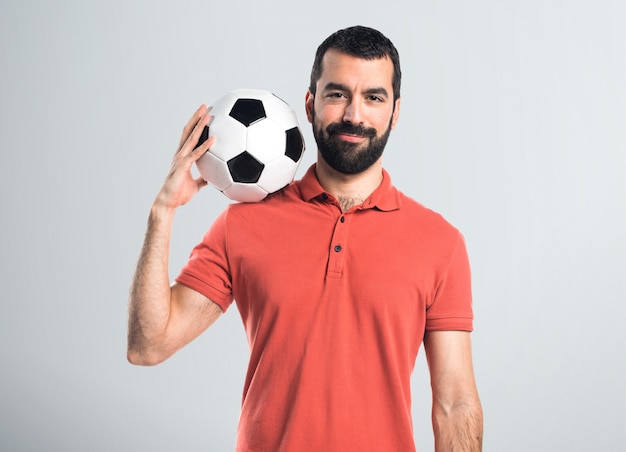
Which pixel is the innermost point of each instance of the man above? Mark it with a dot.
(337, 278)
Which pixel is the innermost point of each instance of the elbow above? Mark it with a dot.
(467, 411)
(139, 356)
(142, 350)
(458, 426)
(469, 405)
(139, 359)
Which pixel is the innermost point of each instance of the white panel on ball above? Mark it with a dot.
(270, 179)
(231, 139)
(215, 171)
(266, 140)
(223, 105)
(275, 109)
(245, 192)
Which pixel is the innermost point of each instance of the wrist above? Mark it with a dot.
(162, 210)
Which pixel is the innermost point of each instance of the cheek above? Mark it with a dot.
(384, 121)
(328, 113)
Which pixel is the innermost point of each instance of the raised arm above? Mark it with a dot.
(163, 318)
(457, 412)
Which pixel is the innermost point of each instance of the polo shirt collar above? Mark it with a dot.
(386, 197)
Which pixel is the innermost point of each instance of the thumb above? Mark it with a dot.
(200, 182)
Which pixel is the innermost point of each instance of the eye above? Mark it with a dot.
(375, 98)
(335, 95)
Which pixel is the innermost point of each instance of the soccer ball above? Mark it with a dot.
(258, 145)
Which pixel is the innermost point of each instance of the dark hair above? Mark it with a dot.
(361, 42)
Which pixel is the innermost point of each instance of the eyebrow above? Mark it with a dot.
(331, 86)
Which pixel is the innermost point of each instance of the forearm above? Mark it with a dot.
(458, 428)
(150, 294)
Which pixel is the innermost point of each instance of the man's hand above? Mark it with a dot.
(162, 319)
(180, 185)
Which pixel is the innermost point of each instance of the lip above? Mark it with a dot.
(350, 138)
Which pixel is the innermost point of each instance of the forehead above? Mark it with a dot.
(345, 69)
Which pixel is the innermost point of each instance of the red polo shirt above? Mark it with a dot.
(335, 306)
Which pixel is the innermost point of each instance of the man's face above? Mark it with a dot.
(353, 112)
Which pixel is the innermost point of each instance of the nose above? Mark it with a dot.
(353, 114)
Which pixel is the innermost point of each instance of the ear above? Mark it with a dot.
(308, 105)
(396, 113)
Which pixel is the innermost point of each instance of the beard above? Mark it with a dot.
(346, 157)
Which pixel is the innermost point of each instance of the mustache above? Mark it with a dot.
(350, 129)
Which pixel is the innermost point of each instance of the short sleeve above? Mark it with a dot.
(207, 271)
(451, 308)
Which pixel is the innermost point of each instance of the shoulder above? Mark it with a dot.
(409, 210)
(424, 217)
(271, 209)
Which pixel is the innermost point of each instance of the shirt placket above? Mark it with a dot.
(338, 248)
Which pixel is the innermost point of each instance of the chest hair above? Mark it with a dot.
(347, 202)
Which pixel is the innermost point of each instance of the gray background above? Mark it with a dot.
(512, 127)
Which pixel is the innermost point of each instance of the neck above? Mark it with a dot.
(349, 189)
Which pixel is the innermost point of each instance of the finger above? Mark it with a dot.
(191, 124)
(201, 149)
(193, 139)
